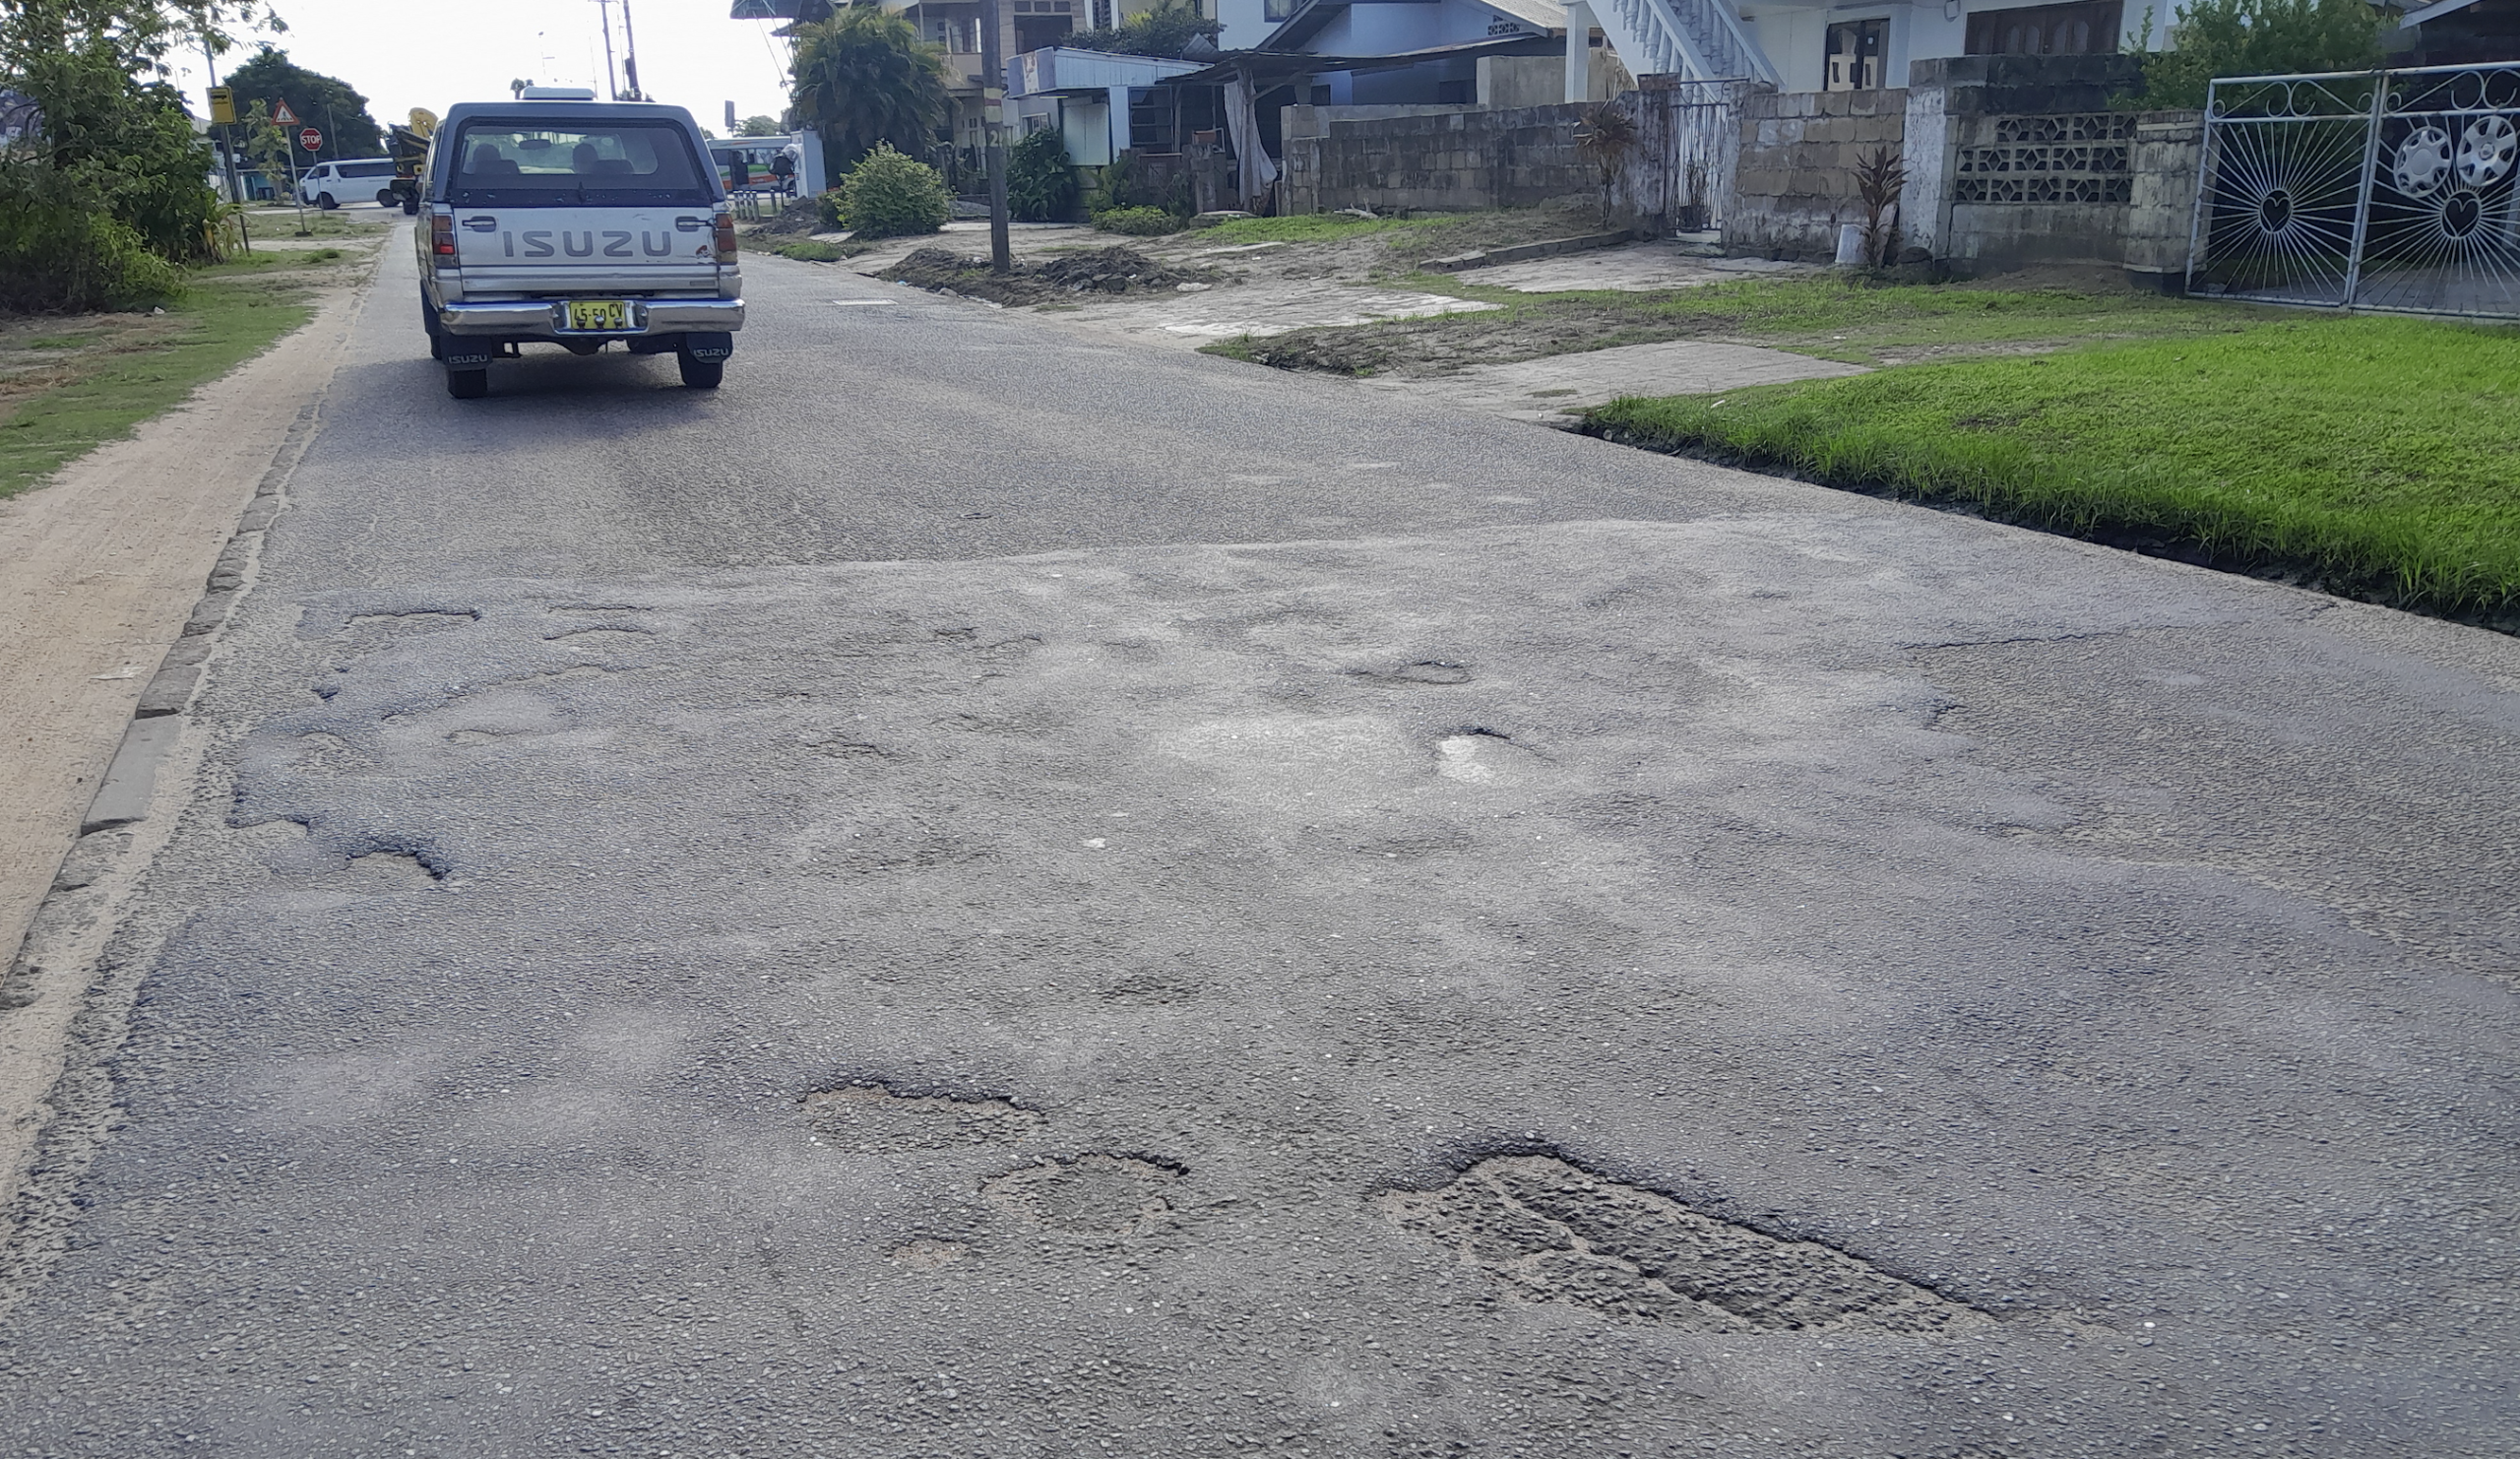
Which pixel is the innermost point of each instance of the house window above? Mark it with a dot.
(1456, 93)
(2085, 30)
(1040, 24)
(1280, 9)
(1101, 15)
(1855, 55)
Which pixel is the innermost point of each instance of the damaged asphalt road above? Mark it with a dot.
(981, 894)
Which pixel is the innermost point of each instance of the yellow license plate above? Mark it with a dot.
(599, 314)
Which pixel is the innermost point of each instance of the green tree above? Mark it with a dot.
(760, 126)
(1165, 29)
(110, 189)
(2259, 37)
(320, 102)
(863, 78)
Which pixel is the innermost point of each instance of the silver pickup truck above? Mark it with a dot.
(559, 219)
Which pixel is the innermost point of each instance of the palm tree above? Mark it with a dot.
(863, 76)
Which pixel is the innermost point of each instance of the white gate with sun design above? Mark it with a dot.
(2376, 190)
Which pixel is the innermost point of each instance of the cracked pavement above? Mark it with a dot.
(978, 892)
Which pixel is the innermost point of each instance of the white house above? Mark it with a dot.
(1102, 103)
(1794, 45)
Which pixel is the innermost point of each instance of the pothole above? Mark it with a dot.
(596, 638)
(1150, 987)
(1092, 1195)
(390, 870)
(1480, 756)
(832, 743)
(1437, 671)
(417, 620)
(871, 1119)
(1553, 1232)
(928, 1256)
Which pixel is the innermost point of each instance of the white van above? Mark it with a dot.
(331, 184)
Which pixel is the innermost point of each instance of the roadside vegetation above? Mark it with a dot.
(124, 281)
(2365, 456)
(69, 382)
(1829, 317)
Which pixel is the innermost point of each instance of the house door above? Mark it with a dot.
(1856, 49)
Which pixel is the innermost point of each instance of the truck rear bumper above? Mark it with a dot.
(538, 319)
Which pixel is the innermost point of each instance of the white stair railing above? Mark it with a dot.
(1702, 39)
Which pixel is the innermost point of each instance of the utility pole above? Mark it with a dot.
(1001, 256)
(612, 81)
(226, 141)
(228, 146)
(630, 55)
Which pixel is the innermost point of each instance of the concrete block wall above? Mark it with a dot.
(1794, 179)
(2169, 156)
(1450, 161)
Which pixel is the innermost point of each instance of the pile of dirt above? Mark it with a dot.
(1442, 344)
(1118, 270)
(798, 219)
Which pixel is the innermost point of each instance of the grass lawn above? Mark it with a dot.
(1299, 227)
(1829, 317)
(70, 383)
(2371, 455)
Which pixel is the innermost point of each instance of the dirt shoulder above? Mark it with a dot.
(108, 560)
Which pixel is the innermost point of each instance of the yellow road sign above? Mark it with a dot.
(222, 106)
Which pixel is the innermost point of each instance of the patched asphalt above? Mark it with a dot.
(983, 893)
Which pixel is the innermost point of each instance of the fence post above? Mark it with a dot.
(2363, 195)
(2204, 169)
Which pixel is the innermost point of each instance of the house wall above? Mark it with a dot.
(1247, 24)
(1449, 160)
(1521, 81)
(1794, 183)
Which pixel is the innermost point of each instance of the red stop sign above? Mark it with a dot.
(310, 139)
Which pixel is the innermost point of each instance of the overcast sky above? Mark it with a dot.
(434, 53)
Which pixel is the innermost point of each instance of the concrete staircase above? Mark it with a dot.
(1702, 39)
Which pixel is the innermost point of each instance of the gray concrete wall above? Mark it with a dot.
(1794, 183)
(2169, 154)
(1438, 160)
(2018, 159)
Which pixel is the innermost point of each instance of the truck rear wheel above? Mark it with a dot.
(701, 374)
(468, 385)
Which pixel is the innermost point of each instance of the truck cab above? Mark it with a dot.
(559, 219)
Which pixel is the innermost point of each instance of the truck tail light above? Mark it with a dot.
(442, 235)
(724, 237)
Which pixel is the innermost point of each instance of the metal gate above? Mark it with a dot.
(2389, 190)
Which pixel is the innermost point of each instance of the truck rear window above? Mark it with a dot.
(539, 165)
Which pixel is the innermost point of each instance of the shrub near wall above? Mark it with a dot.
(1040, 183)
(888, 195)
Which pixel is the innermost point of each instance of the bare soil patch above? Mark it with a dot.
(1104, 271)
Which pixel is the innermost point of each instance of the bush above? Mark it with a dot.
(62, 256)
(1122, 185)
(1040, 184)
(1139, 222)
(887, 195)
(827, 208)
